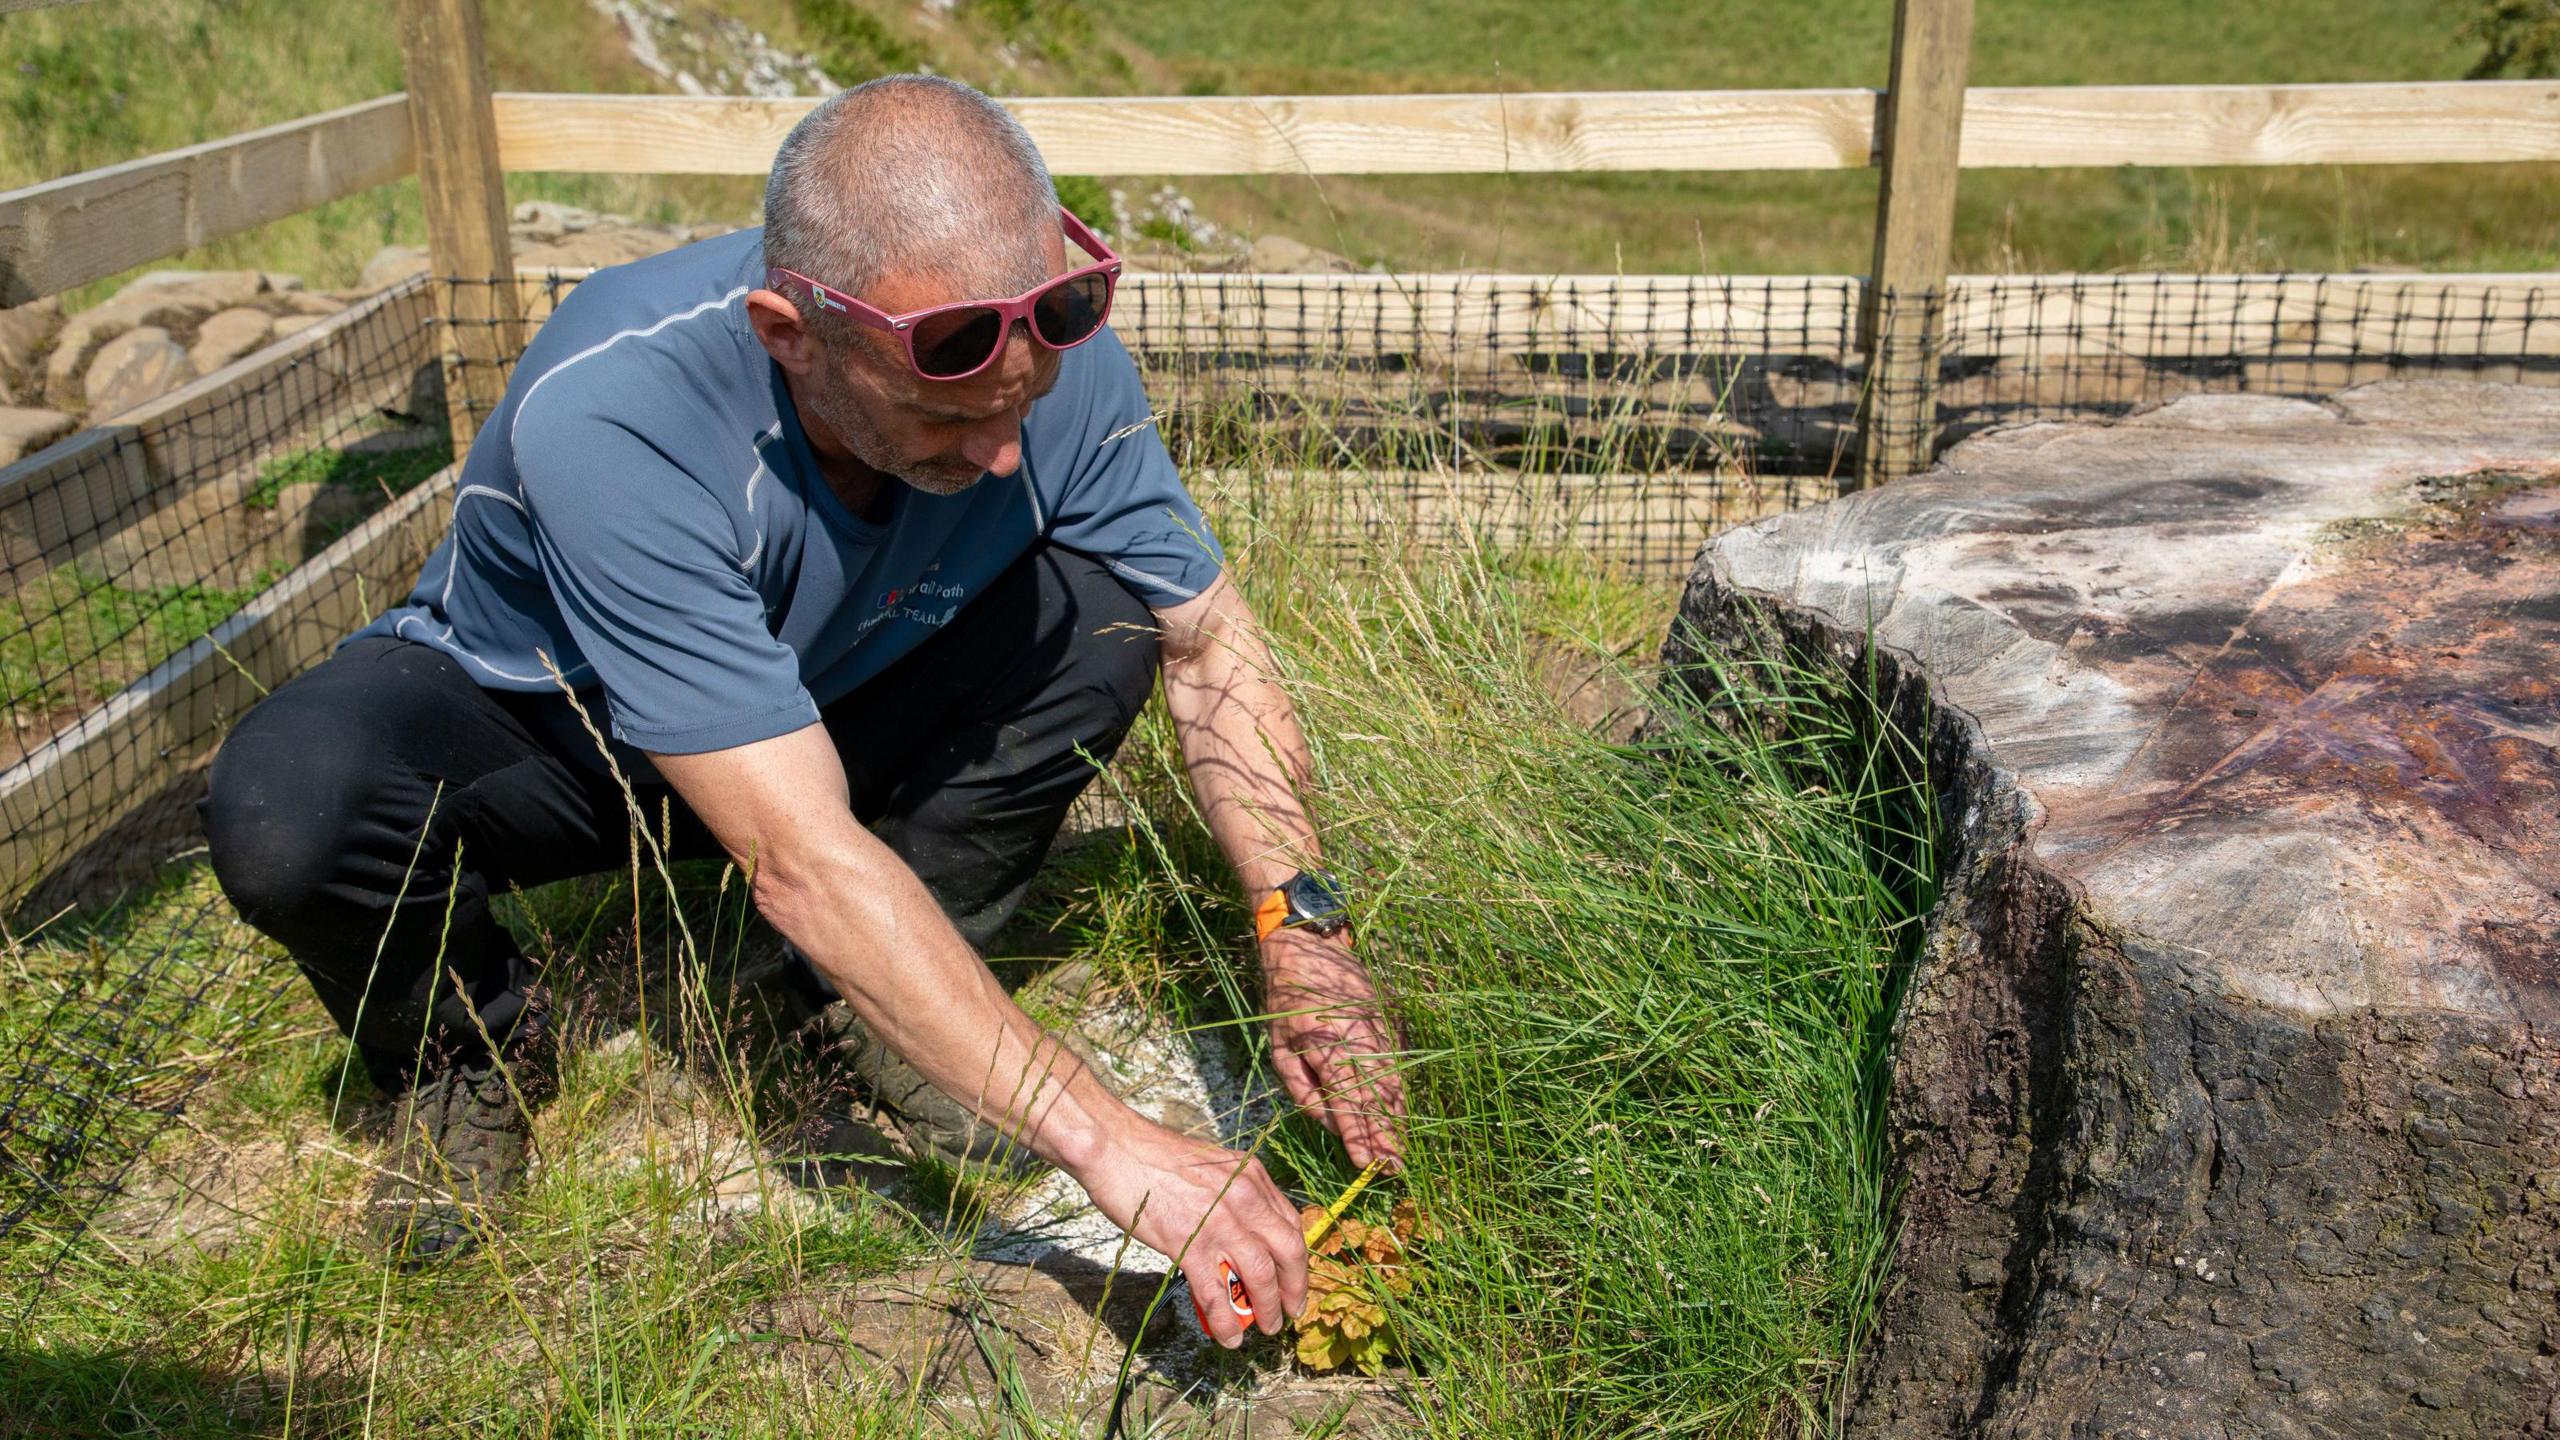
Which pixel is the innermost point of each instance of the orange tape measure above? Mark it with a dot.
(1239, 1303)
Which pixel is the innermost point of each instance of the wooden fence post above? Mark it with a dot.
(1917, 135)
(465, 194)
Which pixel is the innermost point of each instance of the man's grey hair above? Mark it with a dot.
(911, 174)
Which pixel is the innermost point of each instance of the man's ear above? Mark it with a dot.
(785, 338)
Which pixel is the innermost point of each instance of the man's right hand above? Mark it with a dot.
(781, 809)
(1202, 1204)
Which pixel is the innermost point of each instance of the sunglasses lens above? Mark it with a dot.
(955, 342)
(1069, 312)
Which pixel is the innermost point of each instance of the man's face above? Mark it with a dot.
(938, 435)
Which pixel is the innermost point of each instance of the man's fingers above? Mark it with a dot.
(1296, 1078)
(1306, 1086)
(1209, 1302)
(1370, 1101)
(1289, 1254)
(1262, 1281)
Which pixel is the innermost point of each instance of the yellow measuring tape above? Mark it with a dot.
(1333, 1212)
(1240, 1303)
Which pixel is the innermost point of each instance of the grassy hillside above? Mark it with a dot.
(2447, 217)
(105, 81)
(98, 83)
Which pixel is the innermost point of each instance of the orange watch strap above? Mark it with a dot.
(1271, 914)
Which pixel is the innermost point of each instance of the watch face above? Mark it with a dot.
(1316, 903)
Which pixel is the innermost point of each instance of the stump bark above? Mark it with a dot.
(2224, 1096)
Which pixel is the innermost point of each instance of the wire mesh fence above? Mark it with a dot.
(162, 571)
(166, 569)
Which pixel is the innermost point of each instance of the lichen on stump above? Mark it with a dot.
(2224, 1096)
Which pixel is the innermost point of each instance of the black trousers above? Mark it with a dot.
(339, 805)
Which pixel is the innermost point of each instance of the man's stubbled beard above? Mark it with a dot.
(832, 400)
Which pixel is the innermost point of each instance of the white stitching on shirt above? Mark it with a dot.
(723, 303)
(444, 598)
(1143, 578)
(773, 433)
(445, 643)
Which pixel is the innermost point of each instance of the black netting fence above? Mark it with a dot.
(162, 571)
(166, 569)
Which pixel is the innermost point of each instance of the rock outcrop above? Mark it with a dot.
(203, 313)
(141, 364)
(50, 362)
(228, 335)
(24, 430)
(2226, 1092)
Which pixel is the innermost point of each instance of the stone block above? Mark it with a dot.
(595, 249)
(138, 365)
(2226, 1073)
(24, 431)
(390, 265)
(26, 334)
(549, 219)
(229, 335)
(218, 289)
(175, 309)
(78, 344)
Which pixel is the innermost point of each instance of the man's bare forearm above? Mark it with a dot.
(1331, 1042)
(1240, 738)
(875, 932)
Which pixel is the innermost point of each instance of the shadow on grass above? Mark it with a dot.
(49, 1394)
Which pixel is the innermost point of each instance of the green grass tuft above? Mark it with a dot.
(1645, 983)
(380, 475)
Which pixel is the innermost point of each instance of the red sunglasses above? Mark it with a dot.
(954, 342)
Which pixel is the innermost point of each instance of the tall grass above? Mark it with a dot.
(1644, 982)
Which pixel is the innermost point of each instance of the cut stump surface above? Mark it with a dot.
(2224, 1097)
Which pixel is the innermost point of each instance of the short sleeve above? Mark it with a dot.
(640, 559)
(1122, 502)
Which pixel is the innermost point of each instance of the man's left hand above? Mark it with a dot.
(1331, 1042)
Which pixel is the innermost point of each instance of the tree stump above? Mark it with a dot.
(2224, 1097)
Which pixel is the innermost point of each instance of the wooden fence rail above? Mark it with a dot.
(2449, 122)
(76, 785)
(98, 223)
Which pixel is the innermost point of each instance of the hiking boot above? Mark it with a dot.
(927, 1121)
(460, 1144)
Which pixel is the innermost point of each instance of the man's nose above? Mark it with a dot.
(996, 446)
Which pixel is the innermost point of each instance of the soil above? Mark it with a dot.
(1049, 1296)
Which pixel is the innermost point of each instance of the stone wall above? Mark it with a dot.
(60, 371)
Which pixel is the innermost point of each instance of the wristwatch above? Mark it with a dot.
(1308, 900)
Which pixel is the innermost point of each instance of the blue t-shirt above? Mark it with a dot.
(643, 509)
